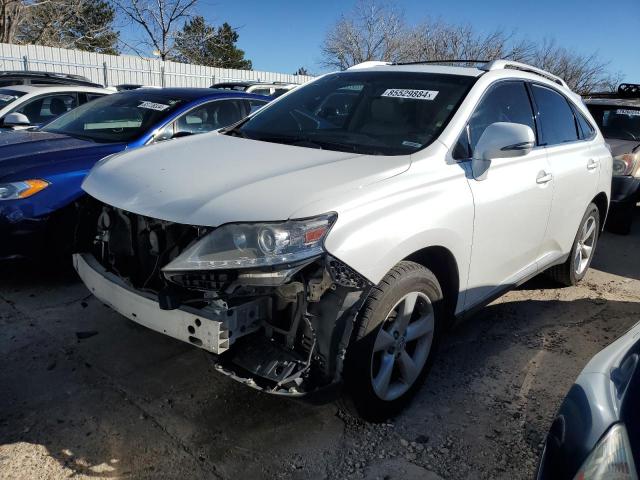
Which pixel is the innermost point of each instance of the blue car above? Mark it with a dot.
(41, 171)
(596, 433)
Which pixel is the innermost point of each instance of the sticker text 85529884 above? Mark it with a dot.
(409, 93)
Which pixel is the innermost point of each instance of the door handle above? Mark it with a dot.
(544, 177)
(592, 164)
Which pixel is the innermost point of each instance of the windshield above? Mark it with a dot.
(121, 117)
(378, 113)
(621, 123)
(7, 96)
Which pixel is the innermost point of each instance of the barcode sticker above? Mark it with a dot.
(153, 106)
(408, 93)
(625, 111)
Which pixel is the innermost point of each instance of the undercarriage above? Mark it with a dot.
(284, 330)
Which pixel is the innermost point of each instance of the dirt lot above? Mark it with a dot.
(85, 393)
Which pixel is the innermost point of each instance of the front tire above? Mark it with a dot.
(584, 246)
(395, 339)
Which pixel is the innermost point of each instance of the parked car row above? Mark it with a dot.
(41, 171)
(326, 242)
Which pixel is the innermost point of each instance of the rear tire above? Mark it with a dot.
(584, 246)
(396, 335)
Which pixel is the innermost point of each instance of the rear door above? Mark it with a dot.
(574, 167)
(511, 205)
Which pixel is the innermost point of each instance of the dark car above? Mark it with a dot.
(618, 116)
(26, 77)
(596, 433)
(41, 171)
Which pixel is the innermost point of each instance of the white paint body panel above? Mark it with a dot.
(110, 290)
(499, 232)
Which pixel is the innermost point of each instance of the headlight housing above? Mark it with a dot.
(24, 189)
(626, 163)
(611, 458)
(255, 245)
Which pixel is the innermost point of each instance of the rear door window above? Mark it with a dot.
(555, 116)
(212, 116)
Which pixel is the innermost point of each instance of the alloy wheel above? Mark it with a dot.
(585, 246)
(402, 346)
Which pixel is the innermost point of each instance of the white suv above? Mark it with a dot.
(332, 236)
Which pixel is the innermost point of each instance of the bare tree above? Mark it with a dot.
(375, 31)
(81, 24)
(160, 20)
(12, 15)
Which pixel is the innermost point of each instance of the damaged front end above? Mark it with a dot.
(265, 299)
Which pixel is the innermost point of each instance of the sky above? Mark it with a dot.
(283, 35)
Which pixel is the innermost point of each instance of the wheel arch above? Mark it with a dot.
(441, 261)
(602, 202)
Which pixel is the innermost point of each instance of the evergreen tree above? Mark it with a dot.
(203, 44)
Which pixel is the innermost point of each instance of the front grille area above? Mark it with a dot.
(133, 246)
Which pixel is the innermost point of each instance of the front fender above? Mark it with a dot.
(429, 205)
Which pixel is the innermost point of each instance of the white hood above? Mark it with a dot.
(212, 179)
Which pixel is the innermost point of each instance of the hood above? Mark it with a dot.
(212, 179)
(24, 151)
(620, 147)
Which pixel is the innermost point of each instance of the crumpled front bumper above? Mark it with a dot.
(205, 328)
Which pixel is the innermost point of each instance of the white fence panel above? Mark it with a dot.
(116, 69)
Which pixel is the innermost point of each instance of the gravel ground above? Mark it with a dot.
(85, 393)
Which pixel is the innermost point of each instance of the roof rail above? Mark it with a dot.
(443, 61)
(505, 64)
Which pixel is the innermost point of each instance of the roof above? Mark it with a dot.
(618, 102)
(189, 94)
(52, 88)
(465, 69)
(77, 79)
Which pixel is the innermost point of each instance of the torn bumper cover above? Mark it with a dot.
(287, 335)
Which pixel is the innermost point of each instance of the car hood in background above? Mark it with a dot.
(212, 179)
(22, 151)
(620, 147)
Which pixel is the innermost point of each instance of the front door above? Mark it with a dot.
(512, 203)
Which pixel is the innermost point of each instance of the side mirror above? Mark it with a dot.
(16, 118)
(501, 140)
(182, 134)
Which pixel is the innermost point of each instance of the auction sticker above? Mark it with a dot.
(7, 98)
(153, 106)
(633, 113)
(408, 93)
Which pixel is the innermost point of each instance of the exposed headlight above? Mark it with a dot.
(625, 164)
(612, 458)
(24, 189)
(255, 245)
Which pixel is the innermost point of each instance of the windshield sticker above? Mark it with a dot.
(7, 98)
(153, 106)
(412, 94)
(407, 143)
(633, 113)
